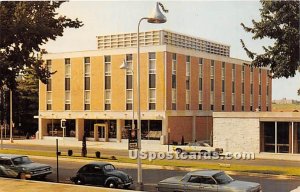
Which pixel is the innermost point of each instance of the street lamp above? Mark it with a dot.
(155, 17)
(10, 115)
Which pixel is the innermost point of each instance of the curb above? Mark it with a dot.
(145, 166)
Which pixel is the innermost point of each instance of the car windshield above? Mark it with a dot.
(21, 160)
(109, 167)
(222, 178)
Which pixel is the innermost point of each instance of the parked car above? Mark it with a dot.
(20, 166)
(207, 180)
(201, 147)
(104, 174)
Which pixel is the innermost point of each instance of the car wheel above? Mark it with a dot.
(111, 184)
(178, 150)
(79, 181)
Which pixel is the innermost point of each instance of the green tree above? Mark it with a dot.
(26, 102)
(279, 22)
(25, 27)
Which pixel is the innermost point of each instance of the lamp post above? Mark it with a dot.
(10, 118)
(155, 17)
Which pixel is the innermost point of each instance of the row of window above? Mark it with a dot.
(107, 83)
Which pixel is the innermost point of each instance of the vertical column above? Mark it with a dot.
(42, 127)
(96, 133)
(292, 138)
(194, 129)
(79, 129)
(164, 127)
(120, 125)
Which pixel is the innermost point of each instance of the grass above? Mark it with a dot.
(176, 164)
(285, 107)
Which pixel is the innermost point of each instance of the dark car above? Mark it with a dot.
(20, 166)
(104, 174)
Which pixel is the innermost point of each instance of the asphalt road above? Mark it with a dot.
(124, 153)
(152, 176)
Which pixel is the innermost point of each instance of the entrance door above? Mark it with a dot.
(101, 133)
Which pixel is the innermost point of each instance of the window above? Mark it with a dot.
(87, 60)
(212, 84)
(173, 99)
(251, 89)
(223, 98)
(233, 72)
(200, 100)
(152, 81)
(200, 60)
(67, 100)
(174, 67)
(223, 70)
(243, 73)
(187, 83)
(107, 82)
(223, 85)
(87, 100)
(200, 84)
(187, 100)
(129, 82)
(49, 86)
(87, 83)
(212, 69)
(243, 88)
(233, 87)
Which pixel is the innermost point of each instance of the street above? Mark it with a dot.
(152, 176)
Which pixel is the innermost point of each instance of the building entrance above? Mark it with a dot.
(101, 132)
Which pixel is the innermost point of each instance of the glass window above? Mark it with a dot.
(212, 84)
(107, 68)
(87, 83)
(87, 69)
(152, 55)
(49, 84)
(87, 60)
(67, 84)
(67, 61)
(174, 81)
(187, 83)
(107, 59)
(128, 81)
(152, 81)
(107, 82)
(200, 60)
(233, 87)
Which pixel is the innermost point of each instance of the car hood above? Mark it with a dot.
(241, 185)
(119, 174)
(32, 166)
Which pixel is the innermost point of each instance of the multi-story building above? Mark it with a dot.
(183, 80)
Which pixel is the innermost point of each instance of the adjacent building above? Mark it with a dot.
(183, 80)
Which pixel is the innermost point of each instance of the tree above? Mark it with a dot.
(279, 22)
(84, 149)
(26, 101)
(25, 26)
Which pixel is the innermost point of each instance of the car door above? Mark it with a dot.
(208, 184)
(85, 173)
(193, 184)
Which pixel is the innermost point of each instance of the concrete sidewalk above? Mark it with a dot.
(17, 185)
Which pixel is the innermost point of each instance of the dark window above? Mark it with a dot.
(174, 81)
(187, 106)
(212, 107)
(187, 82)
(243, 88)
(233, 66)
(243, 108)
(232, 108)
(49, 85)
(200, 60)
(212, 85)
(67, 61)
(200, 106)
(233, 87)
(49, 107)
(107, 59)
(173, 106)
(259, 89)
(151, 106)
(107, 106)
(128, 81)
(67, 84)
(212, 62)
(251, 108)
(223, 107)
(152, 81)
(200, 84)
(223, 85)
(223, 64)
(267, 108)
(86, 106)
(251, 91)
(174, 56)
(87, 60)
(188, 59)
(128, 57)
(107, 82)
(128, 106)
(251, 69)
(87, 83)
(151, 55)
(67, 106)
(267, 89)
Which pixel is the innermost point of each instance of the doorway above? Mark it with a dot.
(101, 132)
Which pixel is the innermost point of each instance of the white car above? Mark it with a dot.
(200, 147)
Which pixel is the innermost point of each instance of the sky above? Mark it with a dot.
(212, 20)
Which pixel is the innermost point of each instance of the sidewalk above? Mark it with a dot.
(68, 142)
(17, 185)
